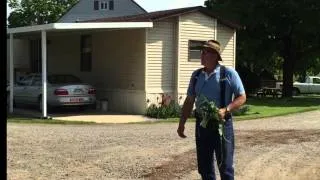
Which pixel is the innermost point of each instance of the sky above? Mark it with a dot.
(157, 5)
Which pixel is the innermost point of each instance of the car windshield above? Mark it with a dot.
(63, 79)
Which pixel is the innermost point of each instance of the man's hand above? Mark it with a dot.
(222, 113)
(180, 131)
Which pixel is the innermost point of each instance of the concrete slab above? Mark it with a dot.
(84, 115)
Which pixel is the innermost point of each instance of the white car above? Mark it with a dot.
(62, 90)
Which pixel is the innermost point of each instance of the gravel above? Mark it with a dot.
(272, 148)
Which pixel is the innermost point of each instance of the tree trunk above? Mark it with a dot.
(288, 67)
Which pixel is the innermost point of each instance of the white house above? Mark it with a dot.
(131, 60)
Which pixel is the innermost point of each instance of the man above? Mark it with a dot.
(206, 81)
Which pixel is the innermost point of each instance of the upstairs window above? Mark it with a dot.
(96, 5)
(104, 5)
(194, 50)
(111, 5)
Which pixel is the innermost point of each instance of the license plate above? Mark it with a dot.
(77, 99)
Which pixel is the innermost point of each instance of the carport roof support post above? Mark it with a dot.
(11, 73)
(44, 72)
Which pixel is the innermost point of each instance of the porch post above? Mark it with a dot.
(11, 68)
(44, 73)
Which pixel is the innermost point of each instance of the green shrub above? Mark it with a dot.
(163, 111)
(241, 111)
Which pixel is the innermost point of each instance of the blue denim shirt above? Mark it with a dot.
(210, 87)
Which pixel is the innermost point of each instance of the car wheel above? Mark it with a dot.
(40, 104)
(81, 108)
(295, 92)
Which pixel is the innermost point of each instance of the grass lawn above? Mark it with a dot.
(258, 108)
(268, 107)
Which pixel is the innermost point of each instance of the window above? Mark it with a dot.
(86, 54)
(194, 50)
(104, 5)
(96, 5)
(316, 81)
(35, 55)
(111, 5)
(26, 81)
(37, 81)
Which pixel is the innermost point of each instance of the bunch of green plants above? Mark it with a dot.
(208, 112)
(163, 111)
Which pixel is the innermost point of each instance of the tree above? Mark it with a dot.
(35, 12)
(287, 28)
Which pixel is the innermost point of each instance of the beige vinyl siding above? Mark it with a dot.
(193, 26)
(63, 54)
(226, 37)
(118, 63)
(21, 56)
(119, 59)
(160, 57)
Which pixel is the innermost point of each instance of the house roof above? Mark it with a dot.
(159, 15)
(67, 11)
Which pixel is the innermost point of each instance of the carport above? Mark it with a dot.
(46, 29)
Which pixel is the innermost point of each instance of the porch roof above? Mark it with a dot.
(79, 26)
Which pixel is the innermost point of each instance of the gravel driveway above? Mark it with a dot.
(273, 148)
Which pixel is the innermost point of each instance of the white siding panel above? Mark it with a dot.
(193, 26)
(160, 56)
(226, 38)
(21, 56)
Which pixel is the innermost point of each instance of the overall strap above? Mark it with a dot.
(195, 78)
(222, 86)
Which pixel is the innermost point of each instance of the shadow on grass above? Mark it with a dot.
(298, 101)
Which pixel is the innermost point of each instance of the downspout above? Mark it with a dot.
(44, 73)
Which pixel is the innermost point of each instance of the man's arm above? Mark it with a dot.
(186, 111)
(235, 104)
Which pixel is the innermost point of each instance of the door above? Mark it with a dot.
(20, 92)
(34, 90)
(315, 88)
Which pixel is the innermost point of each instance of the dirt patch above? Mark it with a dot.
(274, 137)
(177, 167)
(186, 162)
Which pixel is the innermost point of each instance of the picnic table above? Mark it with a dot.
(265, 91)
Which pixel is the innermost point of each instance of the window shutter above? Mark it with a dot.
(111, 5)
(96, 5)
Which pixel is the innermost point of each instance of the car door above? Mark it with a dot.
(20, 92)
(316, 85)
(34, 90)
